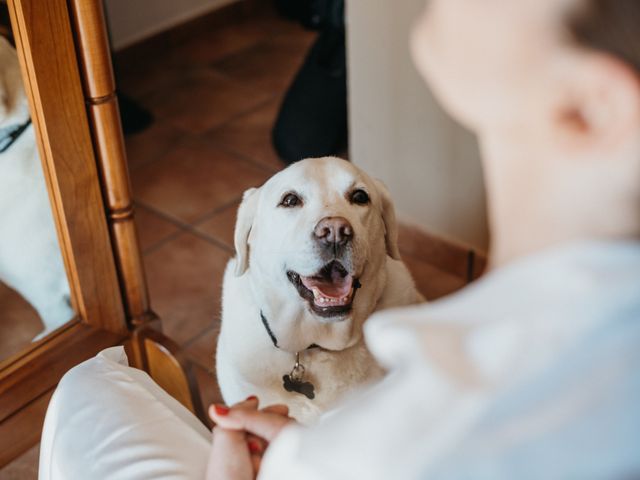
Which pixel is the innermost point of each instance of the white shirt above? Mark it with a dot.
(531, 372)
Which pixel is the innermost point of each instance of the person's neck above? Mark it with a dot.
(536, 201)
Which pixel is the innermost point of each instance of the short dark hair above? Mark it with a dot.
(612, 26)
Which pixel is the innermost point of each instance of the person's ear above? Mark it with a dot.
(389, 218)
(600, 106)
(244, 222)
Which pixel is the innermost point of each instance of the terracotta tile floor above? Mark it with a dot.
(249, 136)
(215, 96)
(194, 179)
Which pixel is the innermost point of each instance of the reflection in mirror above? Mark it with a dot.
(34, 291)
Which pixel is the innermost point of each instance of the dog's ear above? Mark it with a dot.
(390, 222)
(244, 222)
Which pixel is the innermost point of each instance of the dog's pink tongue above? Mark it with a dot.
(336, 287)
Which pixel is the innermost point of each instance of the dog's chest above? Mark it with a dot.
(318, 376)
(20, 171)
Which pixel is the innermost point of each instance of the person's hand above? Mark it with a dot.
(241, 436)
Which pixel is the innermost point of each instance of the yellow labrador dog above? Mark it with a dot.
(317, 254)
(30, 259)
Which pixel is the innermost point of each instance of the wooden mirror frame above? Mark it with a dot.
(66, 66)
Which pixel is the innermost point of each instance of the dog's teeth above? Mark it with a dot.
(325, 301)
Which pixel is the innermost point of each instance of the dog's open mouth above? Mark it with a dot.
(330, 292)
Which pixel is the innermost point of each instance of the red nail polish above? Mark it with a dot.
(251, 397)
(254, 447)
(221, 410)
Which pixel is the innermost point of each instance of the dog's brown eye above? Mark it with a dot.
(291, 200)
(359, 197)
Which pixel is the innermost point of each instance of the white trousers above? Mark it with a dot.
(108, 420)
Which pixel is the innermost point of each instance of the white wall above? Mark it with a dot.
(399, 134)
(133, 20)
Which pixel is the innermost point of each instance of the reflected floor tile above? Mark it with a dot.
(19, 322)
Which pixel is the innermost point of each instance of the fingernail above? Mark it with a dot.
(254, 447)
(251, 397)
(221, 410)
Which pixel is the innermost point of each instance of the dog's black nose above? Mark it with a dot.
(333, 231)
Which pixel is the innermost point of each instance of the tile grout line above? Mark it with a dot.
(217, 210)
(152, 248)
(185, 136)
(198, 336)
(237, 116)
(211, 369)
(212, 241)
(184, 228)
(155, 158)
(250, 160)
(222, 148)
(181, 223)
(146, 98)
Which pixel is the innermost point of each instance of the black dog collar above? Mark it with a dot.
(272, 336)
(268, 329)
(8, 136)
(293, 381)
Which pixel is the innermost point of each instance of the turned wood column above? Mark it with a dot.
(92, 49)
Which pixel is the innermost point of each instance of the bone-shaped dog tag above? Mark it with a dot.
(305, 388)
(293, 382)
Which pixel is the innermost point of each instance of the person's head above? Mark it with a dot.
(552, 89)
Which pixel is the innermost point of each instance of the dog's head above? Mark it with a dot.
(14, 109)
(315, 240)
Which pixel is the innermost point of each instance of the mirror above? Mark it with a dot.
(34, 291)
(66, 75)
